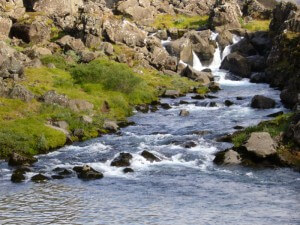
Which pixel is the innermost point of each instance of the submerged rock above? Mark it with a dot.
(18, 175)
(184, 112)
(128, 170)
(123, 160)
(150, 156)
(39, 178)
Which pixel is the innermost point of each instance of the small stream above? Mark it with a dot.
(184, 188)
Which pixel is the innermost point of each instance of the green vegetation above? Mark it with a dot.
(274, 127)
(23, 124)
(163, 21)
(256, 25)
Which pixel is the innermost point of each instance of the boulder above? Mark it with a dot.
(18, 176)
(123, 160)
(189, 144)
(225, 15)
(182, 49)
(144, 108)
(224, 39)
(70, 43)
(107, 48)
(262, 102)
(150, 156)
(202, 45)
(13, 9)
(18, 160)
(51, 97)
(289, 96)
(124, 32)
(202, 77)
(228, 103)
(184, 113)
(5, 26)
(228, 157)
(165, 106)
(237, 64)
(261, 144)
(20, 92)
(37, 31)
(56, 7)
(88, 173)
(244, 47)
(86, 119)
(78, 105)
(111, 126)
(258, 78)
(39, 178)
(258, 63)
(128, 170)
(171, 94)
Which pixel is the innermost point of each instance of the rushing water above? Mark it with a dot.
(184, 188)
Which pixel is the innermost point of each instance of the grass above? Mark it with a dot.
(22, 124)
(273, 127)
(166, 21)
(256, 25)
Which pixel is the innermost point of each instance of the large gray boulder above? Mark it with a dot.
(262, 102)
(20, 92)
(200, 76)
(237, 64)
(5, 26)
(261, 144)
(225, 15)
(124, 32)
(56, 7)
(13, 9)
(182, 49)
(70, 43)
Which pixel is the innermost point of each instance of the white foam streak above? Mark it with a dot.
(197, 65)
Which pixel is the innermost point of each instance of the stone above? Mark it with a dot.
(18, 160)
(51, 97)
(150, 156)
(111, 126)
(78, 105)
(88, 173)
(262, 102)
(171, 94)
(86, 119)
(275, 114)
(182, 49)
(228, 157)
(5, 26)
(144, 108)
(123, 160)
(257, 62)
(190, 144)
(39, 178)
(184, 113)
(165, 106)
(228, 103)
(107, 48)
(128, 170)
(20, 92)
(18, 176)
(105, 108)
(70, 43)
(237, 64)
(258, 78)
(202, 77)
(261, 144)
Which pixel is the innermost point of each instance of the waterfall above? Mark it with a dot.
(197, 65)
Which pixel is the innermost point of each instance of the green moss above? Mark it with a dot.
(273, 127)
(256, 25)
(179, 21)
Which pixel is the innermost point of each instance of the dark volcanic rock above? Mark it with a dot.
(190, 144)
(122, 160)
(258, 78)
(165, 106)
(275, 114)
(262, 102)
(150, 156)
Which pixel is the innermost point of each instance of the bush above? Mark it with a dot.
(57, 60)
(113, 76)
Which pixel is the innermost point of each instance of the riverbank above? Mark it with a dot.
(39, 126)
